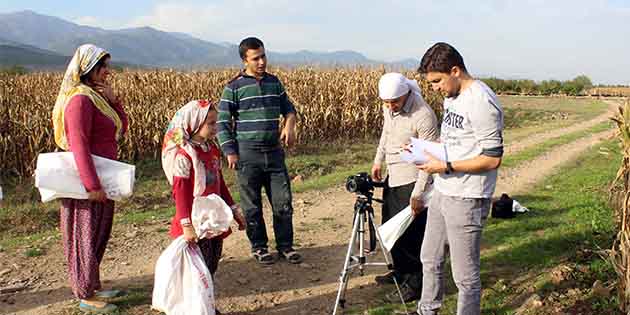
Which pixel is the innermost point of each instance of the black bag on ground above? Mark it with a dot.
(502, 208)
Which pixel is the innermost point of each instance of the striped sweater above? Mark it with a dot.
(249, 113)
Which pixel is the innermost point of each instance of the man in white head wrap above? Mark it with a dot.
(406, 115)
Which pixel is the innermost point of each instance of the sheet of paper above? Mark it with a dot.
(418, 148)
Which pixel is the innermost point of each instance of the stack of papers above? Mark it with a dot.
(418, 148)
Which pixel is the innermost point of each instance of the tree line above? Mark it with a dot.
(580, 85)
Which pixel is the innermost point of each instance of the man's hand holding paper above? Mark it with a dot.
(422, 151)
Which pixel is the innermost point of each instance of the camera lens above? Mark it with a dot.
(351, 185)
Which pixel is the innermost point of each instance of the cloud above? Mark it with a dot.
(99, 22)
(88, 21)
(533, 38)
(285, 25)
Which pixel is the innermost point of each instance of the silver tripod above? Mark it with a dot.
(363, 213)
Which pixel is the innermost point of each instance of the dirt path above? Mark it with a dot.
(543, 136)
(521, 178)
(322, 224)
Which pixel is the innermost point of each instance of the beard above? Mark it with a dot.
(454, 94)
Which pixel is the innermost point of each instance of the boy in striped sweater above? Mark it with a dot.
(251, 137)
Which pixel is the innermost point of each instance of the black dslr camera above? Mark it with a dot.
(361, 183)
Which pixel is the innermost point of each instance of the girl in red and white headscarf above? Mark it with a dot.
(192, 163)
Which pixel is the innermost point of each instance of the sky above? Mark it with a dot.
(533, 39)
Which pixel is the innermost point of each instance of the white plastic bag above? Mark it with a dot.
(183, 284)
(391, 230)
(211, 216)
(394, 228)
(518, 208)
(57, 176)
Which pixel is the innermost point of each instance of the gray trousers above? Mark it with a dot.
(456, 222)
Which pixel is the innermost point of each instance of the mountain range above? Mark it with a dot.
(40, 41)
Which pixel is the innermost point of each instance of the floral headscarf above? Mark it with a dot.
(183, 126)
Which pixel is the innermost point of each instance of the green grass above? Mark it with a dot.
(569, 213)
(525, 116)
(576, 108)
(33, 252)
(136, 295)
(40, 238)
(536, 150)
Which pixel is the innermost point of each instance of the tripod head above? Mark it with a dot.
(363, 185)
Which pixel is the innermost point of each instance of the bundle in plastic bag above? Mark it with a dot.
(394, 228)
(391, 230)
(183, 284)
(57, 176)
(211, 216)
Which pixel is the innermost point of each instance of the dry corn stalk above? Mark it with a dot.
(620, 252)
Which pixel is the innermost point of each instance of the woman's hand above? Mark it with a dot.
(106, 91)
(189, 234)
(97, 196)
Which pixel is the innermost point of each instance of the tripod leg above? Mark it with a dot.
(343, 279)
(389, 264)
(361, 231)
(372, 236)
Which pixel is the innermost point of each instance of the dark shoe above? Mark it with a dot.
(263, 257)
(388, 278)
(291, 255)
(409, 294)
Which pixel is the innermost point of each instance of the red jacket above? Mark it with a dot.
(183, 187)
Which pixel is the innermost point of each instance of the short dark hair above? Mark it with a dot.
(441, 57)
(247, 44)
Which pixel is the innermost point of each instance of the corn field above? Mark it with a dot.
(609, 91)
(333, 104)
(620, 191)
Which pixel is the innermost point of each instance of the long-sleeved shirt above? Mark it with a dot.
(88, 132)
(472, 126)
(184, 178)
(249, 113)
(415, 119)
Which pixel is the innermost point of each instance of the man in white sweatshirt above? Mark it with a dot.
(472, 133)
